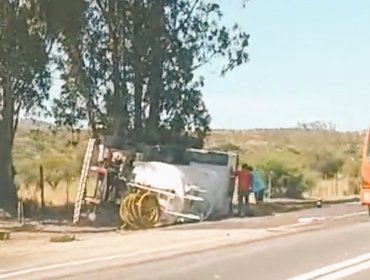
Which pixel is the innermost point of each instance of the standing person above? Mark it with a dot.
(258, 186)
(244, 186)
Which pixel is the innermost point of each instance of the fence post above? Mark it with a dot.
(20, 212)
(42, 190)
(269, 186)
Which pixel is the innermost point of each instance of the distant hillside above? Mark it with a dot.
(296, 159)
(293, 147)
(26, 125)
(286, 144)
(316, 160)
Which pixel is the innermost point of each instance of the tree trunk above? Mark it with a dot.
(8, 195)
(91, 117)
(138, 91)
(138, 101)
(119, 107)
(67, 193)
(156, 69)
(139, 34)
(117, 96)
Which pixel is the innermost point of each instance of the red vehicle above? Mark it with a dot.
(365, 172)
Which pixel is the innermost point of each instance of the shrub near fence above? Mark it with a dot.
(339, 186)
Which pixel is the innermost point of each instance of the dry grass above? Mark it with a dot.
(55, 197)
(293, 147)
(297, 148)
(297, 144)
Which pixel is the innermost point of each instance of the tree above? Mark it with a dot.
(28, 173)
(24, 81)
(285, 181)
(54, 165)
(327, 164)
(134, 70)
(28, 30)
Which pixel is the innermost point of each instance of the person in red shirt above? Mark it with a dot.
(244, 186)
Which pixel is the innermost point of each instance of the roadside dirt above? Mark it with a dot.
(24, 247)
(278, 219)
(272, 214)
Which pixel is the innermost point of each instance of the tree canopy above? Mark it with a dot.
(126, 65)
(132, 69)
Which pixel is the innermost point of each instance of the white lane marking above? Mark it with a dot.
(316, 219)
(312, 219)
(332, 268)
(350, 215)
(291, 226)
(346, 272)
(114, 257)
(286, 227)
(145, 252)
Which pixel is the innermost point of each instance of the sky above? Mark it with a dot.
(309, 60)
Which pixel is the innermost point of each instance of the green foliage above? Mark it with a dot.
(24, 81)
(227, 147)
(355, 185)
(285, 181)
(351, 167)
(27, 173)
(28, 30)
(60, 160)
(132, 67)
(55, 167)
(327, 164)
(316, 153)
(291, 172)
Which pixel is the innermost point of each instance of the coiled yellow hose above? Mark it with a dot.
(140, 210)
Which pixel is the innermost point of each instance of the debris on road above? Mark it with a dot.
(4, 235)
(63, 238)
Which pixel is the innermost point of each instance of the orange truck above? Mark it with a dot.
(365, 172)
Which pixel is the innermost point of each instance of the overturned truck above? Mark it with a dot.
(157, 186)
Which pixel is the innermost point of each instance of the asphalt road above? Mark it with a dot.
(277, 258)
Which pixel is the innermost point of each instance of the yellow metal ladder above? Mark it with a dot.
(83, 179)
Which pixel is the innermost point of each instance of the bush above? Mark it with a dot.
(60, 161)
(352, 168)
(227, 147)
(354, 186)
(285, 181)
(327, 165)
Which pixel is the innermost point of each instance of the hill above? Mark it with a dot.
(294, 147)
(325, 163)
(294, 161)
